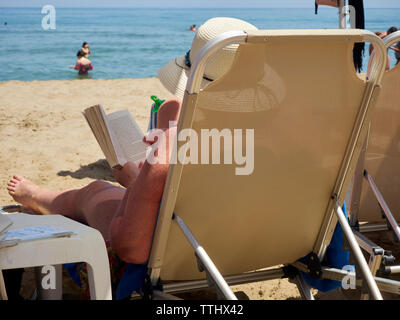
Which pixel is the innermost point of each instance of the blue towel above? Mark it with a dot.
(153, 119)
(71, 270)
(131, 281)
(336, 257)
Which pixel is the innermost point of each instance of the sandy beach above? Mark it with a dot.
(45, 138)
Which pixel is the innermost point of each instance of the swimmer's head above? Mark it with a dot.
(80, 54)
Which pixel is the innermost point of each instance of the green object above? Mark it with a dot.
(157, 103)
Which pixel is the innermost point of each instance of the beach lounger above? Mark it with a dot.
(375, 194)
(84, 245)
(298, 91)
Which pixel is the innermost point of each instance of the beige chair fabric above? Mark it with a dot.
(301, 96)
(382, 160)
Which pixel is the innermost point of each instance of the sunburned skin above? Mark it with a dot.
(125, 215)
(25, 192)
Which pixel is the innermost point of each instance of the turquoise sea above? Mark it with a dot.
(133, 43)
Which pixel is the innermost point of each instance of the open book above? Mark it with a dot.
(118, 135)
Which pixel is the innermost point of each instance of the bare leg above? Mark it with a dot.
(93, 205)
(169, 111)
(97, 203)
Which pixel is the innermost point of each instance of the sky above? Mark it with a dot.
(185, 3)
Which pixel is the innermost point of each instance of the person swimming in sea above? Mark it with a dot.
(83, 64)
(193, 28)
(86, 49)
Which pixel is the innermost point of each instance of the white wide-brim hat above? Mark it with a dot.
(174, 75)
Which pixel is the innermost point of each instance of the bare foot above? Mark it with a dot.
(24, 192)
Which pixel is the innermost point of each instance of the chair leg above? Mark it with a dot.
(394, 226)
(375, 252)
(3, 292)
(374, 290)
(304, 288)
(99, 285)
(357, 182)
(384, 284)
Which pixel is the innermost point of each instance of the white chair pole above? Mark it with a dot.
(394, 269)
(304, 288)
(342, 15)
(385, 208)
(358, 254)
(207, 262)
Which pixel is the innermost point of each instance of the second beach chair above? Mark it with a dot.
(375, 204)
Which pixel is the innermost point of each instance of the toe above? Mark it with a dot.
(19, 178)
(11, 183)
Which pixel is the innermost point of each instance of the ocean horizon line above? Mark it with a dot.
(187, 8)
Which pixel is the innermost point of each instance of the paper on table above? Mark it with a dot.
(15, 236)
(5, 223)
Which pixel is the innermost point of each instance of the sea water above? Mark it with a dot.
(134, 43)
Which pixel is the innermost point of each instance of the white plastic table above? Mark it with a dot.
(85, 245)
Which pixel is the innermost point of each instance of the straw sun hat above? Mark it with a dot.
(175, 74)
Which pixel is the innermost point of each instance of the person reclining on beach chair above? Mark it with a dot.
(126, 216)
